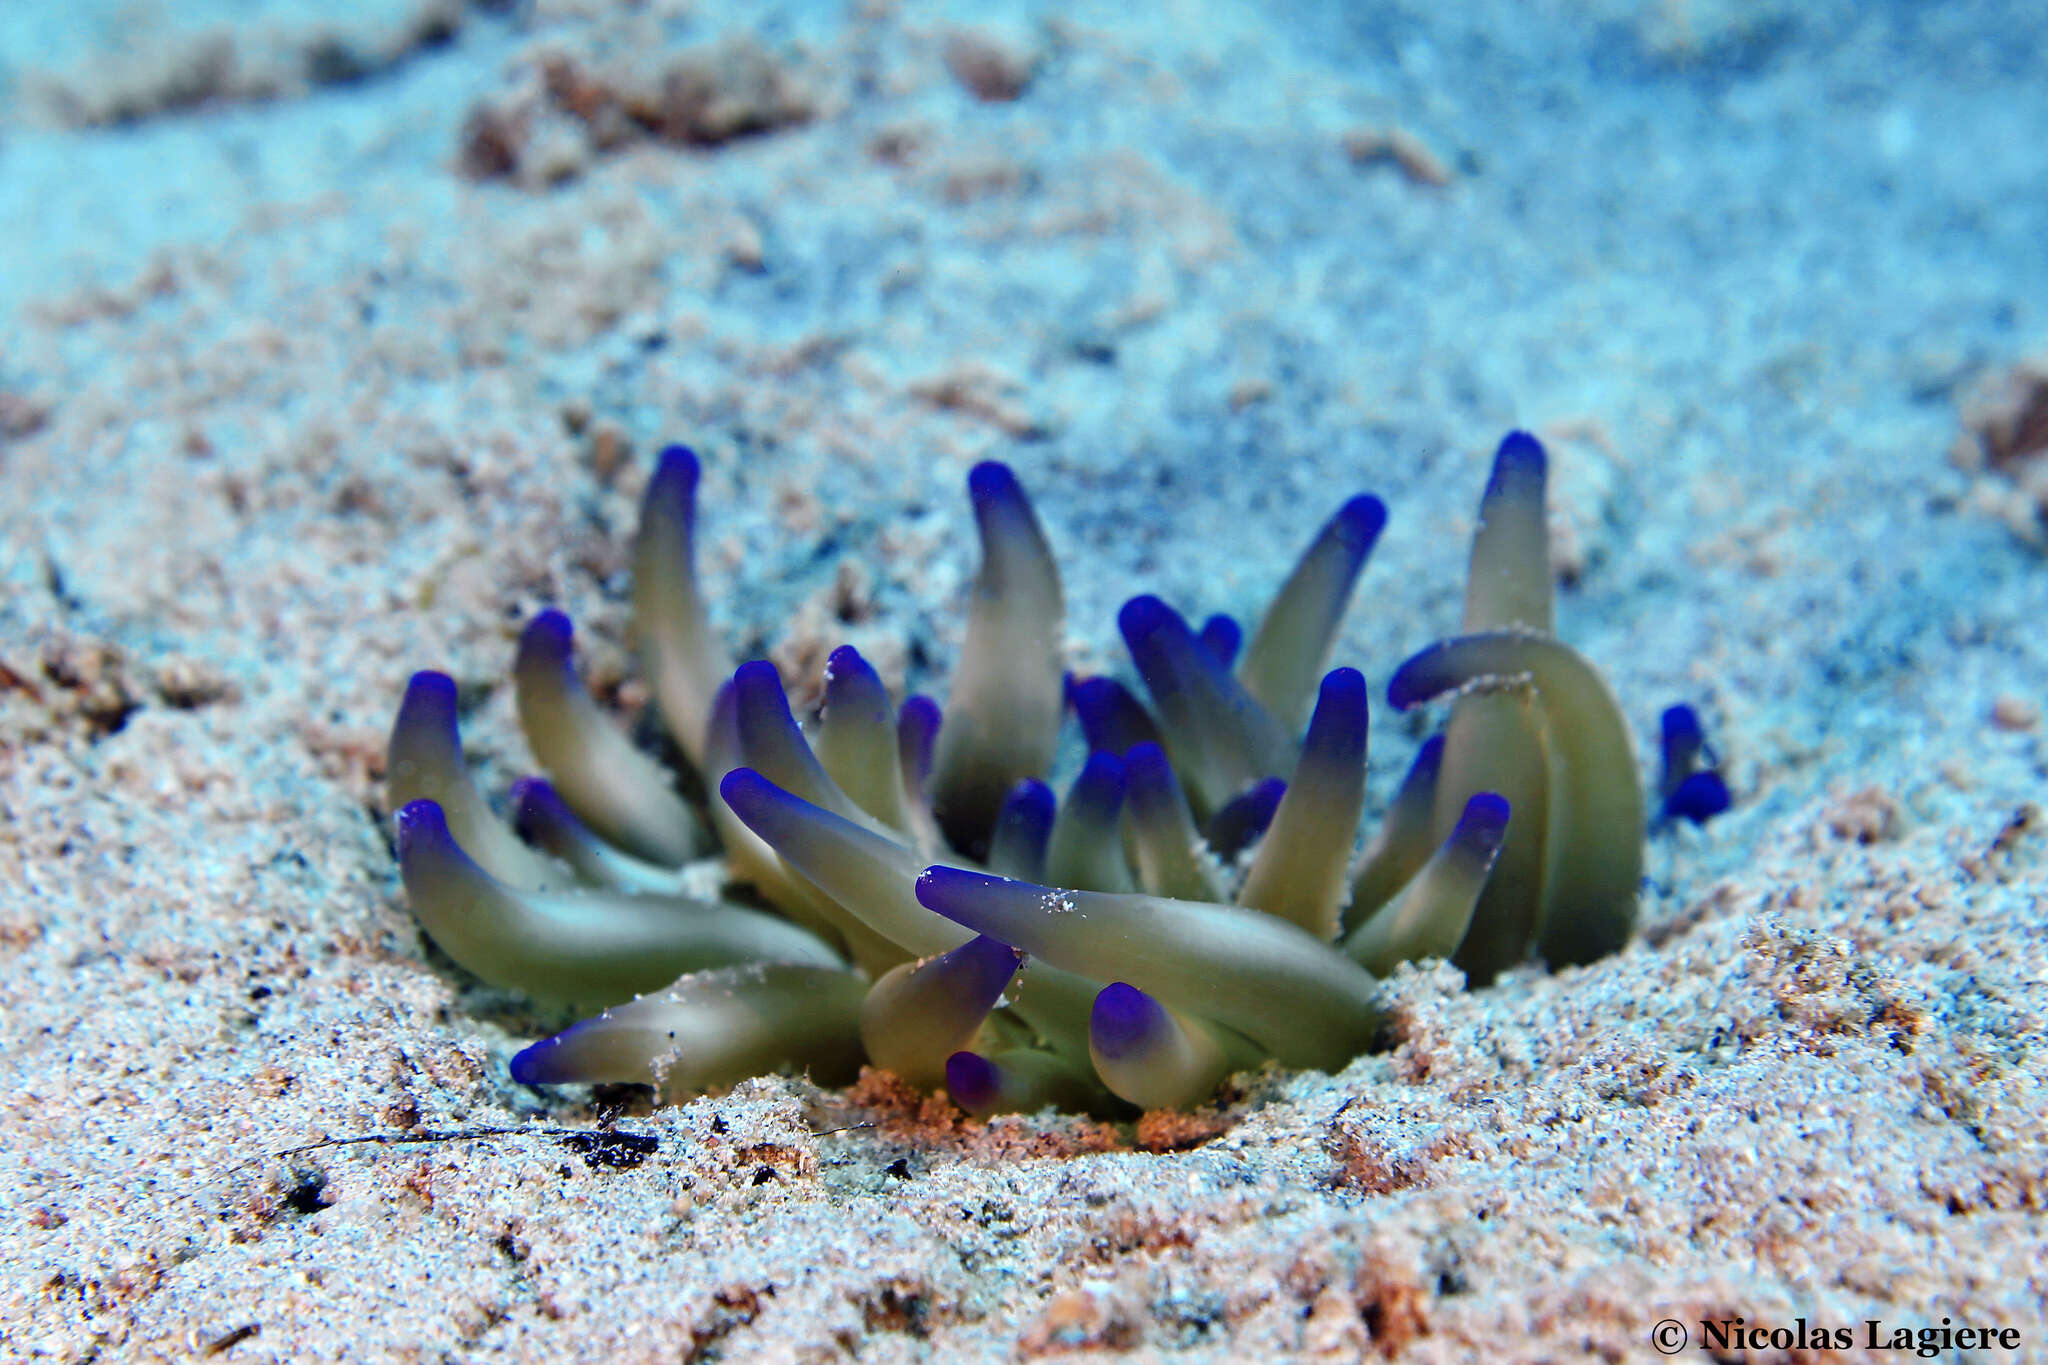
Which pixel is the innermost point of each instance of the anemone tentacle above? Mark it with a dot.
(1003, 717)
(619, 791)
(1594, 841)
(1170, 857)
(870, 875)
(1087, 846)
(1023, 833)
(1403, 842)
(1300, 872)
(424, 763)
(712, 1029)
(1292, 646)
(577, 945)
(1018, 1080)
(1293, 995)
(1220, 738)
(685, 661)
(856, 739)
(1430, 915)
(921, 1013)
(544, 820)
(1155, 1058)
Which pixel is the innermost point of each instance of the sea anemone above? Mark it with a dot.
(920, 901)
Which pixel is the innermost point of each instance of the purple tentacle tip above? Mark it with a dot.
(1099, 789)
(991, 483)
(1699, 798)
(1360, 522)
(1029, 807)
(1167, 655)
(678, 462)
(1023, 831)
(749, 794)
(917, 730)
(851, 681)
(1692, 785)
(1148, 777)
(972, 1080)
(1680, 725)
(987, 966)
(920, 713)
(1684, 742)
(537, 806)
(769, 736)
(1520, 454)
(529, 1065)
(1124, 1020)
(1222, 636)
(426, 714)
(755, 680)
(420, 825)
(1086, 694)
(1144, 617)
(675, 476)
(1111, 718)
(429, 687)
(1417, 679)
(1483, 824)
(948, 890)
(1337, 729)
(1244, 818)
(548, 635)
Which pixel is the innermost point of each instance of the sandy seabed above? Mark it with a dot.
(334, 350)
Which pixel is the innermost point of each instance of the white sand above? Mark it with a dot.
(287, 409)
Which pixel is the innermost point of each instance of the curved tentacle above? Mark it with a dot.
(921, 1013)
(424, 762)
(544, 820)
(577, 945)
(1221, 739)
(1299, 872)
(1155, 1058)
(1431, 914)
(685, 661)
(712, 1029)
(619, 791)
(1594, 848)
(871, 876)
(1003, 716)
(1403, 842)
(1292, 645)
(1299, 999)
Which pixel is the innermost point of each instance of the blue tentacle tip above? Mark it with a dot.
(972, 1080)
(678, 464)
(1125, 1020)
(1699, 798)
(1360, 522)
(549, 634)
(1222, 636)
(1691, 783)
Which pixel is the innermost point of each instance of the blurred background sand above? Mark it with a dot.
(332, 349)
